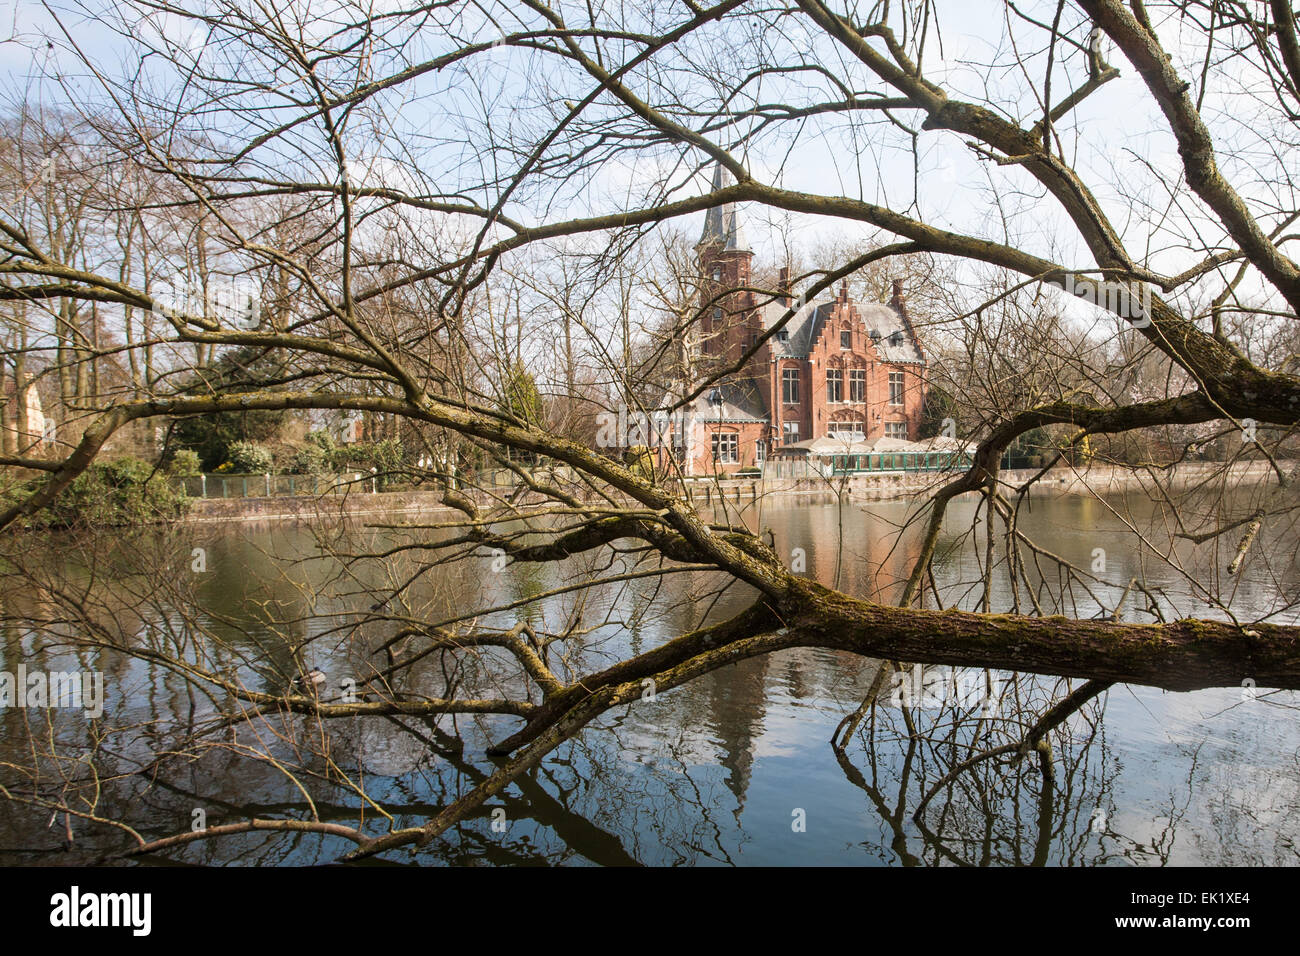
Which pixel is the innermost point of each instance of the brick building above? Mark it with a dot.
(838, 368)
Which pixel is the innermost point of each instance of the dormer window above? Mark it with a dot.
(783, 335)
(896, 339)
(875, 336)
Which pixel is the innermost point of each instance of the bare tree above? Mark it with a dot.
(426, 154)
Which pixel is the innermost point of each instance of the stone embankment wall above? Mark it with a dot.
(1095, 479)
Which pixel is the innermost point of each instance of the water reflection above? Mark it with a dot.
(720, 771)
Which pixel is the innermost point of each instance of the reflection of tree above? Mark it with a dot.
(423, 291)
(981, 789)
(985, 798)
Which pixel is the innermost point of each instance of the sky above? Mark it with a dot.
(1117, 139)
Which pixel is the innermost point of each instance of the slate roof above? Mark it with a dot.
(800, 327)
(807, 322)
(881, 318)
(721, 223)
(741, 403)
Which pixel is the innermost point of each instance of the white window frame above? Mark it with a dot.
(854, 429)
(726, 444)
(832, 398)
(789, 375)
(898, 379)
(857, 377)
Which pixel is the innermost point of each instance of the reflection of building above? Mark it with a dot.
(837, 368)
(22, 420)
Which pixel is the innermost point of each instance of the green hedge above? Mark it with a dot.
(249, 458)
(107, 494)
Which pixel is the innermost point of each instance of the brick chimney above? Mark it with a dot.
(898, 301)
(844, 290)
(783, 286)
(899, 304)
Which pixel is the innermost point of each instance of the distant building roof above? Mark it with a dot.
(889, 333)
(829, 445)
(799, 330)
(721, 224)
(944, 443)
(896, 343)
(741, 403)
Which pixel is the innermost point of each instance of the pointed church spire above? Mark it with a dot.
(722, 229)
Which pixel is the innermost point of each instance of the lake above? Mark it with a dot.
(736, 768)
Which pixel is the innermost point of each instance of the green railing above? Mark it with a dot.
(899, 461)
(218, 485)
